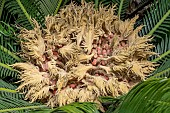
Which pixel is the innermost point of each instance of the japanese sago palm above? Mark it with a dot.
(82, 54)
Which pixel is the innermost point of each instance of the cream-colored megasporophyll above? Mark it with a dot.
(82, 54)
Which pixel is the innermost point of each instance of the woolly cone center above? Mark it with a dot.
(102, 48)
(106, 60)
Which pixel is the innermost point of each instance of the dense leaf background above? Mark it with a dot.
(149, 96)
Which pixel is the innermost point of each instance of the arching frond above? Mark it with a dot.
(2, 2)
(24, 10)
(151, 96)
(163, 71)
(8, 90)
(8, 38)
(156, 23)
(11, 104)
(122, 5)
(51, 7)
(7, 71)
(165, 56)
(77, 107)
(7, 56)
(156, 19)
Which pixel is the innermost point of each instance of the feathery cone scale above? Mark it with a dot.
(82, 54)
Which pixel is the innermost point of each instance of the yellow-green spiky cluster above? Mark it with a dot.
(82, 54)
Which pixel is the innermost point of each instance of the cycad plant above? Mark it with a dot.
(83, 57)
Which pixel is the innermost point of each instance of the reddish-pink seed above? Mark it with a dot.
(123, 43)
(101, 74)
(73, 86)
(111, 35)
(108, 51)
(98, 48)
(55, 57)
(94, 62)
(107, 46)
(104, 51)
(45, 76)
(53, 82)
(110, 40)
(99, 52)
(106, 77)
(119, 46)
(55, 53)
(105, 54)
(45, 66)
(54, 91)
(103, 62)
(96, 74)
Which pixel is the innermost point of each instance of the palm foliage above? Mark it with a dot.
(149, 96)
(85, 107)
(7, 48)
(12, 100)
(51, 7)
(23, 11)
(156, 22)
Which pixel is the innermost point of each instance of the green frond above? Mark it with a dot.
(77, 107)
(4, 84)
(12, 101)
(58, 7)
(8, 48)
(122, 7)
(165, 17)
(162, 46)
(163, 71)
(10, 104)
(156, 23)
(106, 2)
(24, 10)
(8, 90)
(7, 56)
(138, 7)
(163, 57)
(51, 7)
(7, 44)
(156, 18)
(111, 103)
(151, 96)
(8, 38)
(2, 2)
(7, 71)
(96, 2)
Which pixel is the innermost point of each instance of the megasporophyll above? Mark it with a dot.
(82, 54)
